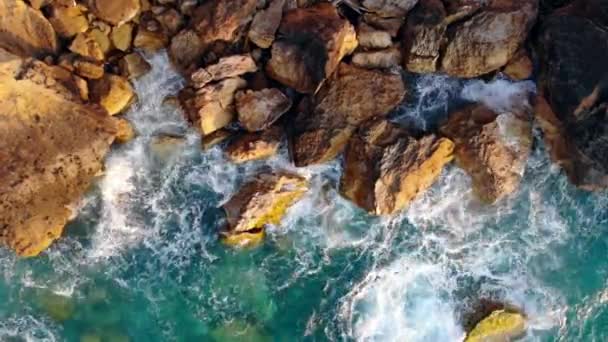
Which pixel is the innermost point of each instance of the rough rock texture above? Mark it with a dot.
(492, 147)
(114, 93)
(68, 20)
(257, 110)
(50, 149)
(219, 20)
(573, 45)
(385, 58)
(87, 46)
(390, 25)
(211, 107)
(311, 43)
(226, 67)
(122, 36)
(350, 97)
(266, 23)
(88, 69)
(56, 79)
(424, 36)
(185, 50)
(255, 146)
(370, 37)
(501, 325)
(150, 41)
(386, 168)
(389, 8)
(489, 39)
(519, 67)
(261, 202)
(133, 66)
(25, 31)
(115, 11)
(124, 130)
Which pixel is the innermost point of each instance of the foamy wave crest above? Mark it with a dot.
(500, 95)
(27, 328)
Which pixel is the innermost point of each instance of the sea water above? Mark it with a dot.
(141, 260)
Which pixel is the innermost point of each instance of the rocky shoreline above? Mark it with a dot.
(324, 78)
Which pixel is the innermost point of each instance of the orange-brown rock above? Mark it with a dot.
(219, 20)
(115, 11)
(122, 36)
(88, 69)
(385, 168)
(211, 107)
(124, 130)
(385, 58)
(114, 93)
(171, 20)
(492, 147)
(68, 21)
(489, 39)
(255, 146)
(261, 202)
(226, 67)
(150, 41)
(102, 37)
(520, 67)
(350, 97)
(50, 150)
(87, 46)
(215, 138)
(133, 66)
(57, 79)
(266, 23)
(257, 110)
(311, 43)
(424, 36)
(369, 37)
(25, 31)
(388, 8)
(185, 51)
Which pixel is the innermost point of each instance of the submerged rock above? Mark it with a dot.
(350, 97)
(492, 147)
(25, 31)
(59, 308)
(236, 331)
(312, 41)
(50, 149)
(255, 146)
(257, 110)
(261, 202)
(501, 325)
(163, 146)
(385, 168)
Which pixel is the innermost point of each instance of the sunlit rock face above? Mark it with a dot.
(25, 31)
(51, 148)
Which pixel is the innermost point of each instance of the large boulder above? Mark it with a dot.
(257, 110)
(220, 20)
(575, 86)
(385, 168)
(500, 325)
(25, 31)
(115, 11)
(310, 44)
(50, 150)
(424, 36)
(260, 202)
(492, 147)
(350, 97)
(489, 39)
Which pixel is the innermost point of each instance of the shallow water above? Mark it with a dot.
(141, 261)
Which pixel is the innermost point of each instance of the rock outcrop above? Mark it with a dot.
(261, 202)
(350, 97)
(492, 147)
(24, 31)
(501, 325)
(385, 168)
(51, 147)
(311, 43)
(257, 110)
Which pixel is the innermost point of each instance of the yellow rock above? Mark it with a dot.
(116, 11)
(500, 326)
(102, 39)
(87, 45)
(25, 31)
(124, 131)
(114, 93)
(244, 239)
(68, 21)
(122, 36)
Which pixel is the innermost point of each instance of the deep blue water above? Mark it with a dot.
(141, 261)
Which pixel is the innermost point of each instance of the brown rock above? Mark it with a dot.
(385, 58)
(350, 97)
(112, 92)
(171, 20)
(386, 168)
(124, 130)
(210, 140)
(390, 25)
(150, 41)
(257, 110)
(25, 31)
(255, 146)
(57, 79)
(88, 69)
(492, 147)
(50, 150)
(212, 107)
(115, 12)
(389, 8)
(370, 37)
(122, 36)
(85, 45)
(312, 42)
(266, 23)
(226, 67)
(262, 201)
(218, 20)
(488, 40)
(520, 66)
(68, 21)
(185, 51)
(424, 36)
(133, 66)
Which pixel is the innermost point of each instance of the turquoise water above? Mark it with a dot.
(141, 261)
